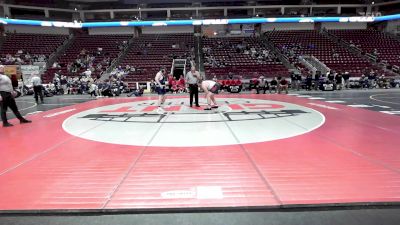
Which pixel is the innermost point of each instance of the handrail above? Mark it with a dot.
(282, 57)
(58, 51)
(307, 64)
(115, 62)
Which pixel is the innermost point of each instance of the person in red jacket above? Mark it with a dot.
(254, 82)
(181, 84)
(283, 85)
(170, 81)
(181, 81)
(174, 86)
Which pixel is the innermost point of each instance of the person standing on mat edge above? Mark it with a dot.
(192, 80)
(37, 88)
(7, 95)
(160, 80)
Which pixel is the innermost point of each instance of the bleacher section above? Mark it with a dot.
(85, 45)
(151, 52)
(225, 55)
(242, 56)
(368, 40)
(313, 43)
(34, 44)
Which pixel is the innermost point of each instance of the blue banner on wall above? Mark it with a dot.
(199, 22)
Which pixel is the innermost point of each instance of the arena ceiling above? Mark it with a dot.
(103, 4)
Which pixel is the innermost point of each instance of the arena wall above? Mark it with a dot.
(393, 27)
(286, 26)
(344, 26)
(167, 30)
(36, 30)
(112, 30)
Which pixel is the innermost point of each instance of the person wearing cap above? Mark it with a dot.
(191, 79)
(7, 100)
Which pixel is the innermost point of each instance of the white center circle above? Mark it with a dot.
(236, 121)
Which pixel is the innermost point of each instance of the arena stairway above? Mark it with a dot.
(369, 40)
(60, 51)
(270, 45)
(115, 63)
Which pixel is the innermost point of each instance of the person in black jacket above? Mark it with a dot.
(346, 78)
(7, 95)
(273, 85)
(309, 82)
(339, 81)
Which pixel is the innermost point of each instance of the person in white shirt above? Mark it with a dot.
(210, 88)
(93, 89)
(21, 86)
(51, 87)
(19, 60)
(88, 73)
(37, 88)
(56, 65)
(160, 80)
(7, 95)
(215, 78)
(191, 80)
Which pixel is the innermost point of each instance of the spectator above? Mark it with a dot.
(339, 81)
(93, 89)
(309, 82)
(346, 78)
(262, 85)
(273, 85)
(283, 85)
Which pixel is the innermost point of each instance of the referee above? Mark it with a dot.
(191, 80)
(37, 88)
(7, 94)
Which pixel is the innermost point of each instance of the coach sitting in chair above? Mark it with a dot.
(283, 85)
(262, 85)
(253, 84)
(273, 85)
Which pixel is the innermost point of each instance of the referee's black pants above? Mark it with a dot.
(194, 91)
(38, 93)
(8, 101)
